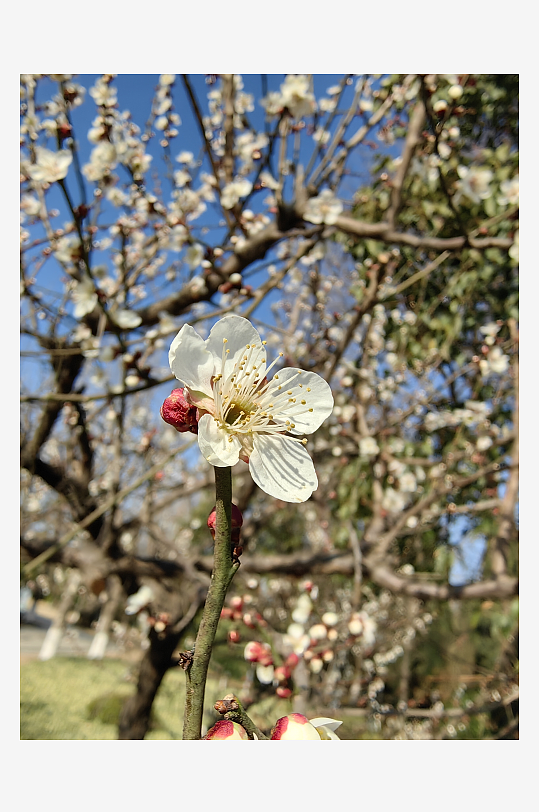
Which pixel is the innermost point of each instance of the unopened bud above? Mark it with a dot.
(294, 726)
(178, 412)
(292, 660)
(225, 729)
(254, 651)
(282, 673)
(236, 522)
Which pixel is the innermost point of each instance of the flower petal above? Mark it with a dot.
(238, 332)
(324, 721)
(326, 727)
(215, 443)
(190, 361)
(319, 399)
(282, 467)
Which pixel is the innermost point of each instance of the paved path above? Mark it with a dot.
(75, 642)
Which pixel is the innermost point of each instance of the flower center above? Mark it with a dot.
(246, 402)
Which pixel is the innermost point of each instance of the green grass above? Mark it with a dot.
(72, 698)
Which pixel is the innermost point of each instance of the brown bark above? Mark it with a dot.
(136, 713)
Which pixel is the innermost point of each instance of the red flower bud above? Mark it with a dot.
(234, 636)
(224, 729)
(282, 673)
(283, 693)
(292, 660)
(178, 412)
(248, 620)
(236, 522)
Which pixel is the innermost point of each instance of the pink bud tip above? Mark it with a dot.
(225, 729)
(294, 726)
(178, 412)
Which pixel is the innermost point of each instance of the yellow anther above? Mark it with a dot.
(289, 392)
(225, 340)
(264, 342)
(308, 389)
(276, 377)
(304, 442)
(303, 402)
(281, 354)
(310, 410)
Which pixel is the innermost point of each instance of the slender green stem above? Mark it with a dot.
(224, 569)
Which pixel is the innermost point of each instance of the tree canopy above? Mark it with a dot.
(367, 226)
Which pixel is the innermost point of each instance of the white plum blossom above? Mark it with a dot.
(495, 362)
(264, 673)
(361, 623)
(272, 103)
(243, 415)
(303, 609)
(50, 166)
(318, 632)
(368, 447)
(393, 501)
(489, 331)
(185, 157)
(102, 160)
(67, 248)
(325, 208)
(408, 483)
(139, 600)
(316, 665)
(474, 184)
(330, 618)
(126, 319)
(267, 179)
(509, 192)
(181, 177)
(194, 256)
(444, 150)
(235, 190)
(296, 95)
(296, 639)
(85, 298)
(455, 92)
(30, 205)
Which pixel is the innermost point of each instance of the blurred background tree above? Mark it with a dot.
(368, 226)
